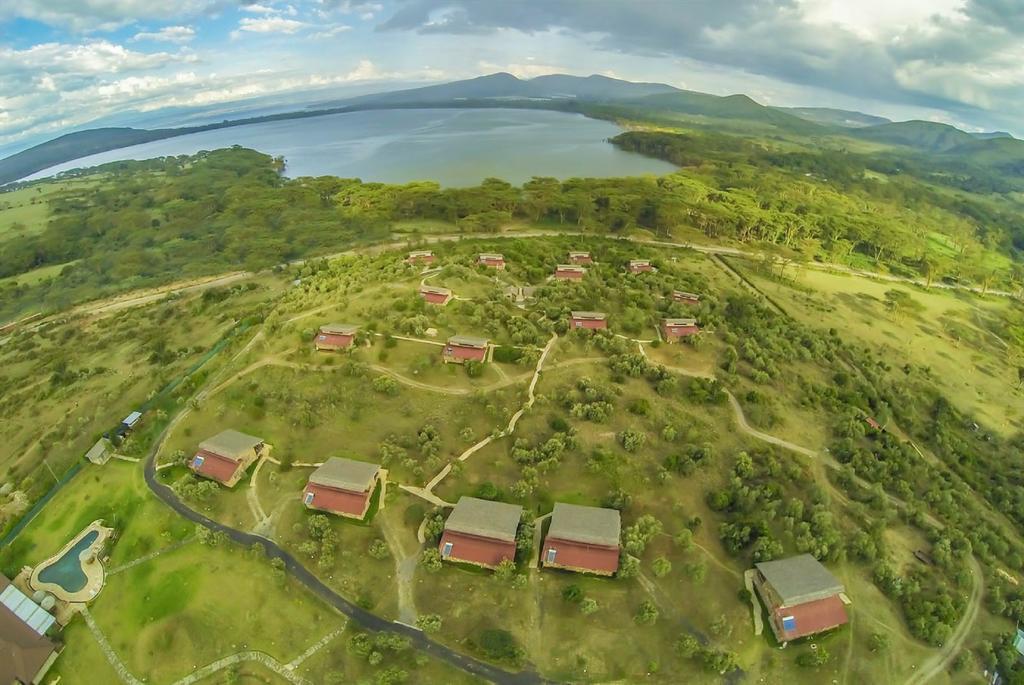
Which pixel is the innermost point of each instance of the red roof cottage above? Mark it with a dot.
(481, 532)
(463, 348)
(685, 297)
(583, 539)
(335, 336)
(434, 295)
(226, 456)
(674, 329)
(580, 258)
(342, 486)
(639, 266)
(491, 259)
(420, 257)
(569, 272)
(590, 320)
(801, 596)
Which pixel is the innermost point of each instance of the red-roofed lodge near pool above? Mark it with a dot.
(639, 266)
(463, 348)
(588, 320)
(434, 295)
(342, 486)
(685, 297)
(226, 456)
(674, 329)
(584, 539)
(580, 258)
(801, 596)
(491, 259)
(335, 336)
(420, 257)
(480, 532)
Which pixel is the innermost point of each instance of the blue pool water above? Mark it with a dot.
(67, 571)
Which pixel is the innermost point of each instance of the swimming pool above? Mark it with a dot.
(67, 570)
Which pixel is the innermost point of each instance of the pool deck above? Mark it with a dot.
(91, 566)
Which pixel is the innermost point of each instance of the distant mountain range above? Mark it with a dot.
(592, 95)
(827, 116)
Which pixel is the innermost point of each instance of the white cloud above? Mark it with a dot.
(332, 31)
(95, 57)
(168, 34)
(267, 25)
(257, 8)
(89, 15)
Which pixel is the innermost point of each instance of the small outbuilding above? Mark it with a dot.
(584, 539)
(580, 258)
(100, 453)
(481, 532)
(493, 260)
(420, 257)
(674, 329)
(589, 320)
(639, 266)
(342, 486)
(226, 456)
(464, 348)
(132, 420)
(26, 654)
(435, 295)
(569, 272)
(336, 336)
(800, 595)
(685, 297)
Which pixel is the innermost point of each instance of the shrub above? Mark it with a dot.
(646, 613)
(499, 645)
(572, 593)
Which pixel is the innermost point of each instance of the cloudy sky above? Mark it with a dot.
(65, 63)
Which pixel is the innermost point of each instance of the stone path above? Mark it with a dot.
(427, 491)
(112, 658)
(286, 671)
(405, 571)
(149, 557)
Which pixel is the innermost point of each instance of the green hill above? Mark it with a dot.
(827, 116)
(739, 107)
(926, 136)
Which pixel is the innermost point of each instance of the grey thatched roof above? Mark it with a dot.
(340, 328)
(230, 443)
(435, 289)
(485, 518)
(345, 474)
(467, 341)
(589, 315)
(589, 525)
(679, 322)
(799, 579)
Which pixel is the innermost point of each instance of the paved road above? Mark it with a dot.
(318, 588)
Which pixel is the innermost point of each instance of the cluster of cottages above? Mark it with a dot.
(800, 595)
(461, 348)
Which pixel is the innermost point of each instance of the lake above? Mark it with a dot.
(455, 147)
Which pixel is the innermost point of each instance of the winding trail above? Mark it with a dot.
(304, 576)
(939, 662)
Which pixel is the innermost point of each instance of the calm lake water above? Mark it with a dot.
(452, 147)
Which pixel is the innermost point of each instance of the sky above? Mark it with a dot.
(67, 63)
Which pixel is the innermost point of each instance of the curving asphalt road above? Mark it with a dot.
(317, 587)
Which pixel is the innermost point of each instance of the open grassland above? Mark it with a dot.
(949, 334)
(69, 383)
(648, 429)
(25, 211)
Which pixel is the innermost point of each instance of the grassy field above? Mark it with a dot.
(945, 332)
(651, 443)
